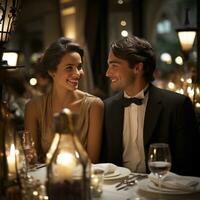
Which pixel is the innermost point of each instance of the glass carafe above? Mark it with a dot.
(69, 166)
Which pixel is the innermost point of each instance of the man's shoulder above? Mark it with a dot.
(113, 98)
(167, 95)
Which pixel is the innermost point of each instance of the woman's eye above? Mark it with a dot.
(69, 68)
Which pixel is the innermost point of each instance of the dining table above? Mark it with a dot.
(133, 192)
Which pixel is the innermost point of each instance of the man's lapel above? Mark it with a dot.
(154, 106)
(118, 118)
(118, 109)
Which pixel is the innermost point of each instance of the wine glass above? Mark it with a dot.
(29, 150)
(159, 160)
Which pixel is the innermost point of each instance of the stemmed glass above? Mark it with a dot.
(29, 183)
(29, 150)
(159, 160)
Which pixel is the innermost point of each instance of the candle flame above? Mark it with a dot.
(66, 159)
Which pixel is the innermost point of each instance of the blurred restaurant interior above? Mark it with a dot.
(94, 24)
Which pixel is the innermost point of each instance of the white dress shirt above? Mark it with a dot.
(133, 147)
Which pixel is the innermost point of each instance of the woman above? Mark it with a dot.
(63, 62)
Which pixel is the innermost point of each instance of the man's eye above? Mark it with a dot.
(113, 65)
(79, 67)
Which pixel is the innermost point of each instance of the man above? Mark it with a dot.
(154, 116)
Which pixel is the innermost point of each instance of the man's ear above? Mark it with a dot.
(138, 67)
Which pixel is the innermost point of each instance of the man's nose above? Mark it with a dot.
(108, 72)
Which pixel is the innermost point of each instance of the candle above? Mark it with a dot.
(63, 169)
(97, 182)
(11, 160)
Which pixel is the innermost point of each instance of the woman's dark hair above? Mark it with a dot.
(54, 53)
(135, 50)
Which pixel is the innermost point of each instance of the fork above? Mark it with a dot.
(130, 181)
(127, 184)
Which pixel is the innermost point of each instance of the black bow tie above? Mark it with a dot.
(138, 101)
(128, 101)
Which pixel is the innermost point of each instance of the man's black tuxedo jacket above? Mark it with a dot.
(169, 118)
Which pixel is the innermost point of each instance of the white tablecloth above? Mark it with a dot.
(133, 193)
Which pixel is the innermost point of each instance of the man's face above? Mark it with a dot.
(121, 75)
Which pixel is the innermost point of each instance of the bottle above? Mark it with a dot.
(69, 167)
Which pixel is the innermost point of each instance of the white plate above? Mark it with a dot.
(115, 173)
(148, 186)
(121, 172)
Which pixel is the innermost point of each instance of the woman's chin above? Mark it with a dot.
(73, 87)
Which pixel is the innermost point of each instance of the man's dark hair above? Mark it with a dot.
(135, 50)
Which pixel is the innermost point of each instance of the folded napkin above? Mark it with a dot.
(108, 168)
(176, 182)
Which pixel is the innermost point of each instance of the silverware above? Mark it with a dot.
(126, 186)
(130, 181)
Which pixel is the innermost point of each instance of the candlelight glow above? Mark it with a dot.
(66, 159)
(11, 159)
(65, 166)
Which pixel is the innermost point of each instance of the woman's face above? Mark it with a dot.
(69, 72)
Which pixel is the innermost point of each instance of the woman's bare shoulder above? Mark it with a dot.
(89, 97)
(37, 100)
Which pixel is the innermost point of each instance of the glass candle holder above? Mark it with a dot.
(69, 168)
(96, 186)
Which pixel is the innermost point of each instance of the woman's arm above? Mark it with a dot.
(95, 130)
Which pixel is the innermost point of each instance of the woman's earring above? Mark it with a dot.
(51, 74)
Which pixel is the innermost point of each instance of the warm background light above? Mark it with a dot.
(179, 60)
(186, 39)
(166, 57)
(33, 81)
(124, 33)
(11, 58)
